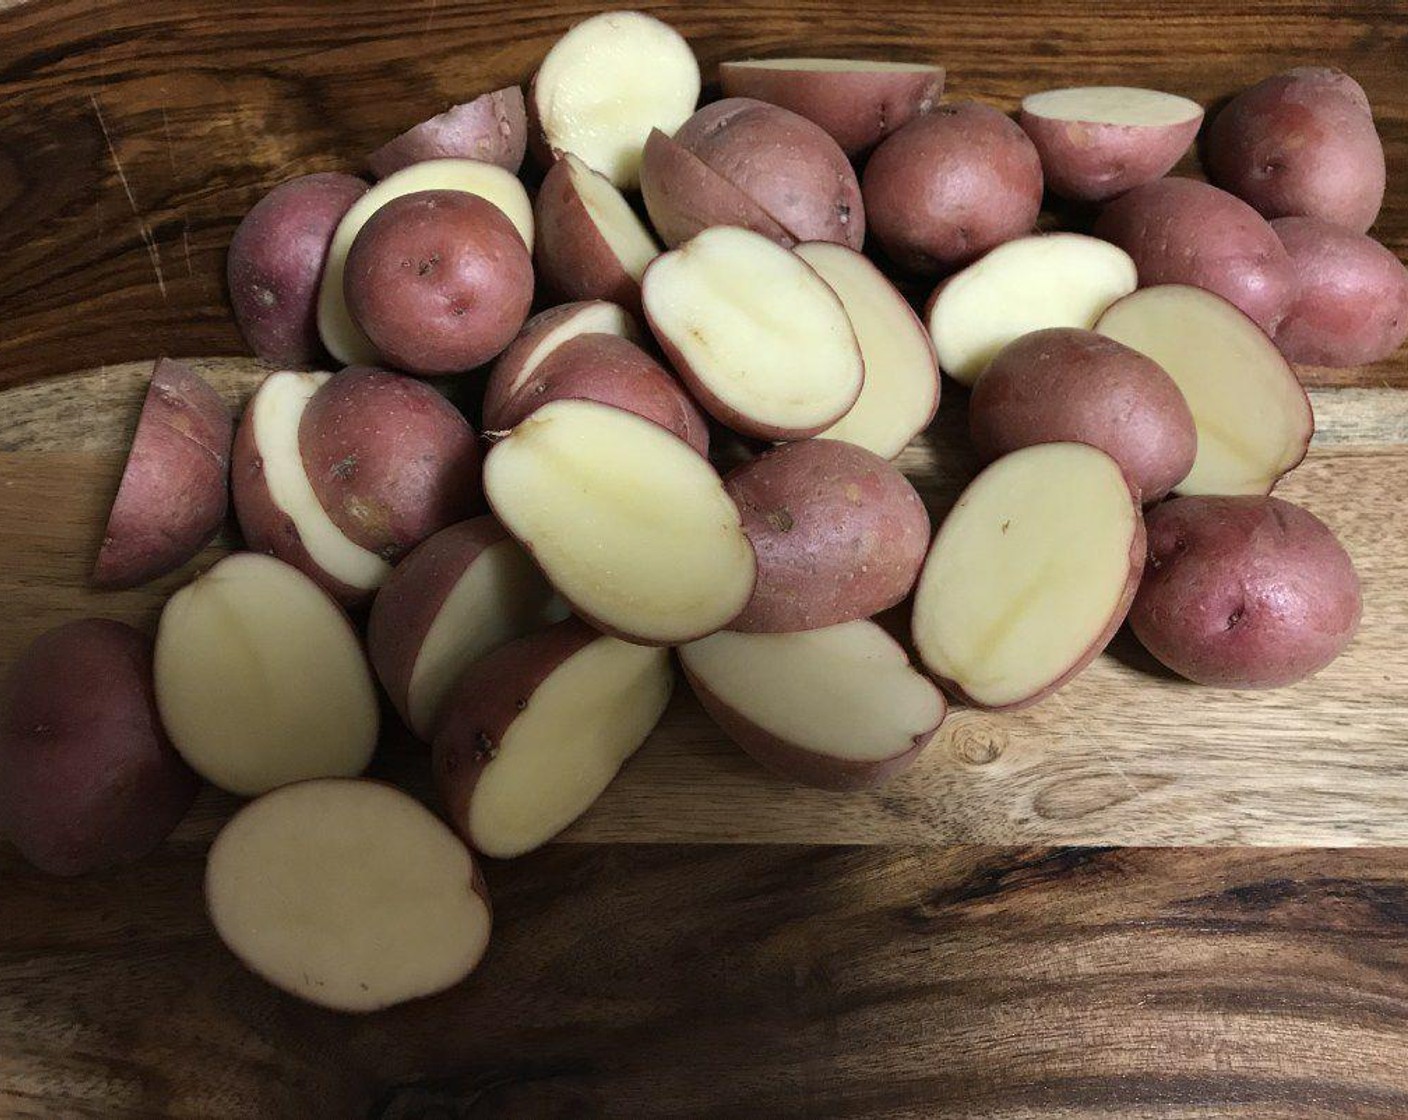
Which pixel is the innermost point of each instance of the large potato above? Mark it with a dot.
(1180, 231)
(1244, 592)
(1301, 143)
(275, 264)
(1073, 385)
(87, 776)
(951, 185)
(839, 534)
(493, 128)
(1351, 304)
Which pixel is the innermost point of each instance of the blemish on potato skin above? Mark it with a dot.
(484, 749)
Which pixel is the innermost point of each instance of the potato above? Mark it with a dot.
(951, 185)
(629, 523)
(857, 102)
(604, 85)
(1029, 576)
(1301, 143)
(260, 678)
(762, 342)
(493, 128)
(605, 368)
(348, 894)
(1096, 142)
(839, 534)
(174, 490)
(463, 593)
(684, 195)
(88, 778)
(590, 243)
(534, 732)
(838, 708)
(1184, 232)
(784, 163)
(439, 281)
(275, 264)
(1072, 385)
(1244, 592)
(1351, 303)
(390, 459)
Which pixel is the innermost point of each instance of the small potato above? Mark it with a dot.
(1180, 231)
(951, 185)
(1073, 385)
(87, 776)
(1244, 592)
(1301, 143)
(439, 281)
(786, 164)
(492, 128)
(1351, 304)
(544, 333)
(275, 264)
(839, 534)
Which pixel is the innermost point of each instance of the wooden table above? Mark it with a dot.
(991, 936)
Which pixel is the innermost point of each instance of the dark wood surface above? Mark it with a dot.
(864, 973)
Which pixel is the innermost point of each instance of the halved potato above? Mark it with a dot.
(1030, 575)
(493, 128)
(1253, 418)
(838, 708)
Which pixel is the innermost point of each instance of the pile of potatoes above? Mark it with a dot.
(685, 274)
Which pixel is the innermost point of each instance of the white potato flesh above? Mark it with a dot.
(758, 327)
(901, 385)
(1047, 280)
(260, 678)
(594, 317)
(606, 83)
(500, 596)
(348, 894)
(837, 65)
(629, 523)
(1122, 105)
(339, 331)
(847, 691)
(580, 726)
(624, 233)
(275, 413)
(1027, 573)
(1253, 418)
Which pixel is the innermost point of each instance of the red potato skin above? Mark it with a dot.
(440, 281)
(1301, 143)
(951, 185)
(1090, 161)
(88, 778)
(493, 128)
(838, 531)
(786, 164)
(409, 601)
(572, 257)
(174, 491)
(275, 265)
(856, 108)
(1244, 592)
(605, 368)
(684, 195)
(1063, 384)
(1180, 231)
(391, 460)
(1351, 304)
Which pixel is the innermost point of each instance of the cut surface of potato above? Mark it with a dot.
(1125, 105)
(617, 223)
(606, 83)
(340, 333)
(838, 707)
(901, 390)
(348, 894)
(1253, 418)
(760, 338)
(630, 524)
(1030, 575)
(1049, 280)
(260, 678)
